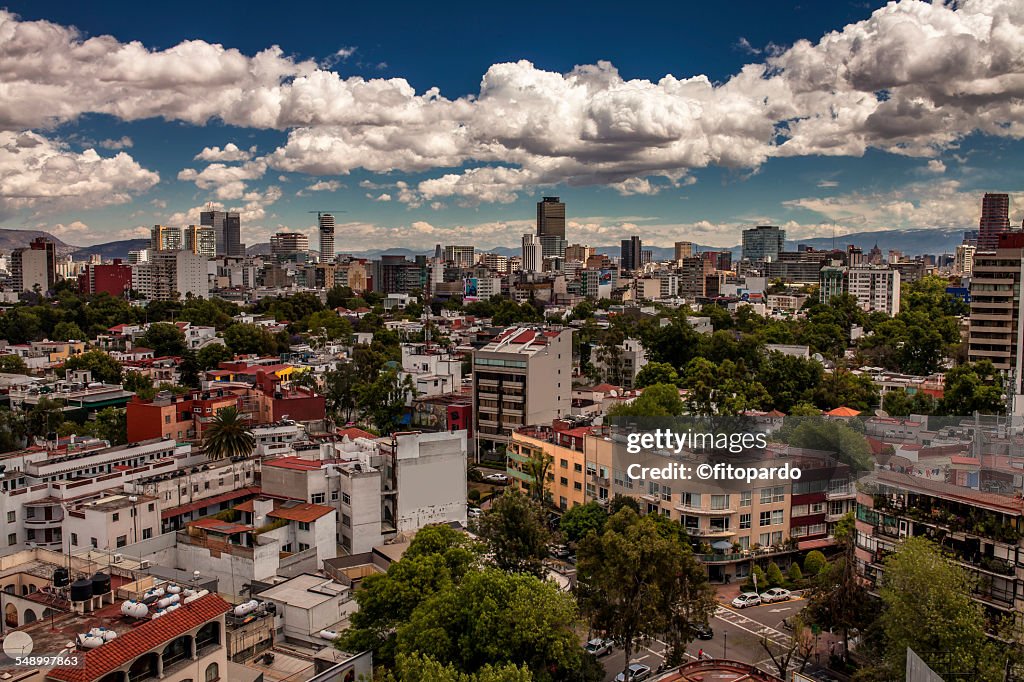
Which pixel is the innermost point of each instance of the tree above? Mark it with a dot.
(659, 400)
(420, 668)
(437, 557)
(899, 404)
(792, 379)
(385, 400)
(836, 437)
(801, 646)
(637, 581)
(340, 393)
(843, 388)
(774, 575)
(13, 430)
(794, 573)
(212, 354)
(140, 384)
(515, 528)
(228, 436)
(166, 340)
(814, 562)
(537, 467)
(581, 520)
(43, 418)
(13, 364)
(491, 617)
(928, 608)
(110, 424)
(973, 387)
(656, 373)
(839, 599)
(327, 323)
(103, 367)
(68, 331)
(245, 339)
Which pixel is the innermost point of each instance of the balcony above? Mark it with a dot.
(710, 532)
(746, 555)
(841, 494)
(687, 509)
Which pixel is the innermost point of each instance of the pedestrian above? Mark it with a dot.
(700, 655)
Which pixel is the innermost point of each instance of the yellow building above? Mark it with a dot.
(566, 481)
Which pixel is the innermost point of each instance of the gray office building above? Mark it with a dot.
(764, 242)
(551, 227)
(227, 227)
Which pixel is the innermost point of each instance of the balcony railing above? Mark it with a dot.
(746, 555)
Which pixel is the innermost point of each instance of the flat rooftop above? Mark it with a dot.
(305, 591)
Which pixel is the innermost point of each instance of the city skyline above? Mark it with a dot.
(692, 132)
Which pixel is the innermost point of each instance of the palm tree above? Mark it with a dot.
(227, 436)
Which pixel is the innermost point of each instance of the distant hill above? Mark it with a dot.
(932, 240)
(16, 239)
(112, 250)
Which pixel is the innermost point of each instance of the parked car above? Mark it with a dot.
(599, 647)
(775, 594)
(637, 672)
(496, 478)
(704, 631)
(474, 512)
(746, 599)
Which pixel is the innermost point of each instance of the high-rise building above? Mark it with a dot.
(764, 242)
(170, 275)
(522, 377)
(631, 254)
(533, 259)
(326, 227)
(115, 279)
(963, 260)
(578, 252)
(876, 288)
(995, 332)
(288, 243)
(34, 268)
(227, 226)
(140, 256)
(164, 238)
(460, 256)
(201, 239)
(684, 250)
(995, 218)
(551, 227)
(495, 262)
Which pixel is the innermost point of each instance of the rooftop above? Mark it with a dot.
(1003, 504)
(222, 527)
(305, 591)
(303, 513)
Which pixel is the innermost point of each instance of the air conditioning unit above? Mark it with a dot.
(118, 558)
(144, 564)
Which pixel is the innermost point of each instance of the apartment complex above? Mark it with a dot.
(522, 377)
(981, 531)
(877, 289)
(170, 275)
(34, 268)
(997, 317)
(288, 243)
(201, 239)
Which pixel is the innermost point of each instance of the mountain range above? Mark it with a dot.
(909, 242)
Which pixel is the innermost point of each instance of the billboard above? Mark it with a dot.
(471, 289)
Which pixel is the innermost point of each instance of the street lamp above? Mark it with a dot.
(725, 644)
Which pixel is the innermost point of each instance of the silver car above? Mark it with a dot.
(599, 647)
(637, 673)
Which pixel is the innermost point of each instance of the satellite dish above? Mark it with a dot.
(881, 413)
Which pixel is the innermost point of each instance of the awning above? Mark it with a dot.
(208, 502)
(722, 545)
(815, 544)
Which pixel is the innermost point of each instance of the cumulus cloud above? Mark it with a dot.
(230, 152)
(226, 182)
(912, 79)
(325, 186)
(122, 143)
(70, 231)
(936, 166)
(41, 174)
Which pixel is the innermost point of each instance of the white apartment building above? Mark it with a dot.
(532, 258)
(963, 260)
(171, 274)
(112, 521)
(876, 288)
(622, 366)
(433, 371)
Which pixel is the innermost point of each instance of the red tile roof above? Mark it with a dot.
(843, 412)
(207, 501)
(296, 463)
(353, 433)
(218, 526)
(303, 513)
(135, 642)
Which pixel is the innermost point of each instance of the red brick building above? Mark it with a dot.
(115, 279)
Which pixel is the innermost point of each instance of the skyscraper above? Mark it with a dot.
(995, 218)
(286, 243)
(551, 227)
(227, 226)
(201, 239)
(684, 250)
(326, 224)
(764, 242)
(164, 238)
(460, 256)
(34, 267)
(631, 253)
(532, 253)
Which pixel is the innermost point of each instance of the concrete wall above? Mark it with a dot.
(431, 471)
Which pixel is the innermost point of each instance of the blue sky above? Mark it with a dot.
(874, 127)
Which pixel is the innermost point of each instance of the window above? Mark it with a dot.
(212, 673)
(666, 493)
(151, 507)
(287, 548)
(147, 533)
(577, 485)
(206, 485)
(195, 488)
(346, 520)
(10, 517)
(777, 538)
(303, 546)
(116, 517)
(334, 496)
(764, 539)
(745, 498)
(719, 502)
(776, 494)
(74, 539)
(12, 539)
(564, 464)
(303, 525)
(564, 481)
(346, 498)
(778, 516)
(690, 500)
(122, 540)
(744, 542)
(94, 543)
(766, 518)
(577, 467)
(744, 521)
(318, 498)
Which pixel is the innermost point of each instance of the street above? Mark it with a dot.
(738, 635)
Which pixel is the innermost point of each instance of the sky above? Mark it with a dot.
(426, 123)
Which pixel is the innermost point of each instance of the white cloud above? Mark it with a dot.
(68, 233)
(226, 182)
(744, 46)
(39, 174)
(913, 78)
(827, 184)
(159, 203)
(230, 152)
(325, 186)
(936, 166)
(123, 143)
(632, 186)
(384, 196)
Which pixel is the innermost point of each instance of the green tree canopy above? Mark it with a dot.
(515, 529)
(103, 367)
(228, 436)
(165, 339)
(580, 520)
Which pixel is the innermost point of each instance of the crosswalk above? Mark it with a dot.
(752, 626)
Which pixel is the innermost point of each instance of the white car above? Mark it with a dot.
(637, 672)
(775, 594)
(746, 599)
(474, 512)
(599, 647)
(497, 478)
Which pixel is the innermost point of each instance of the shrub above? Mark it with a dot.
(814, 562)
(794, 573)
(774, 575)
